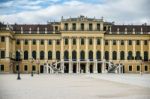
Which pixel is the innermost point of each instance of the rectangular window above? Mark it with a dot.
(138, 68)
(66, 26)
(2, 54)
(98, 41)
(2, 39)
(57, 42)
(34, 42)
(106, 42)
(90, 27)
(130, 68)
(18, 42)
(50, 42)
(137, 42)
(25, 68)
(2, 67)
(98, 27)
(129, 42)
(90, 41)
(42, 42)
(73, 26)
(74, 41)
(33, 68)
(82, 41)
(122, 42)
(66, 41)
(26, 42)
(114, 42)
(145, 42)
(146, 68)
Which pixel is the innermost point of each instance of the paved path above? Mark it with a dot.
(67, 87)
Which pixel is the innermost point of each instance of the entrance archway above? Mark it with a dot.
(91, 68)
(82, 68)
(123, 69)
(74, 68)
(41, 69)
(99, 68)
(66, 68)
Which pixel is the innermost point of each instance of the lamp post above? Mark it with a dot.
(38, 63)
(18, 59)
(32, 69)
(141, 67)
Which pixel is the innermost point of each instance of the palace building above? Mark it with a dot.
(75, 45)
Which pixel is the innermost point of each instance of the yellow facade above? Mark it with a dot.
(75, 30)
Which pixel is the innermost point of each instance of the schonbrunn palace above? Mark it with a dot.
(75, 45)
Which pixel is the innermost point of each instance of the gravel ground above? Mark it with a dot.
(74, 86)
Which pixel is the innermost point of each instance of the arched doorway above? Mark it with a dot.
(82, 68)
(41, 69)
(91, 68)
(74, 68)
(66, 68)
(99, 67)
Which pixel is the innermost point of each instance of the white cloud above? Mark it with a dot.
(120, 11)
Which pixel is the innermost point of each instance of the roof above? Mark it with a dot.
(145, 28)
(34, 27)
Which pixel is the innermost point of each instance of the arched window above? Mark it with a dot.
(114, 55)
(138, 55)
(66, 55)
(74, 55)
(82, 26)
(18, 56)
(106, 55)
(25, 55)
(145, 56)
(98, 55)
(42, 55)
(130, 57)
(90, 55)
(58, 55)
(34, 54)
(82, 55)
(122, 55)
(49, 55)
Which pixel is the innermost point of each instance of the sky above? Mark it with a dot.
(43, 11)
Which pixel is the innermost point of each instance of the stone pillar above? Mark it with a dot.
(87, 67)
(30, 52)
(7, 47)
(94, 26)
(101, 26)
(78, 26)
(86, 26)
(86, 49)
(94, 55)
(22, 54)
(62, 55)
(54, 50)
(110, 50)
(149, 49)
(102, 55)
(118, 50)
(102, 48)
(126, 50)
(142, 52)
(14, 48)
(38, 49)
(46, 52)
(78, 55)
(78, 67)
(134, 48)
(70, 56)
